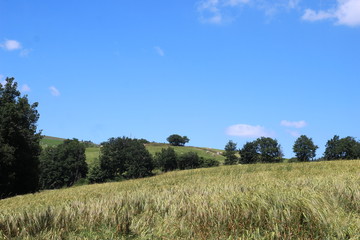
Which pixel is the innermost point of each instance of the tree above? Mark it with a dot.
(249, 153)
(177, 140)
(304, 149)
(189, 160)
(166, 160)
(124, 158)
(19, 142)
(263, 149)
(230, 153)
(62, 165)
(344, 148)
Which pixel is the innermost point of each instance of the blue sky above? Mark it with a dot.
(213, 70)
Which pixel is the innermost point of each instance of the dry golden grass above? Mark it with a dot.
(264, 201)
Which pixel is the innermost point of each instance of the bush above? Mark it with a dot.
(189, 160)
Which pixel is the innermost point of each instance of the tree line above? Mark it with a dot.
(268, 150)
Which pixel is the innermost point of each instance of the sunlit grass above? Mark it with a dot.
(263, 201)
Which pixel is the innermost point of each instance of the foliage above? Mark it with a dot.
(304, 149)
(263, 149)
(177, 140)
(249, 153)
(166, 160)
(19, 142)
(62, 165)
(344, 148)
(208, 162)
(317, 200)
(230, 153)
(189, 160)
(125, 157)
(153, 148)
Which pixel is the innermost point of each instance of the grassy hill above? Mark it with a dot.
(51, 141)
(93, 153)
(319, 200)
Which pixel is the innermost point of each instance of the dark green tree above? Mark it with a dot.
(342, 148)
(166, 160)
(62, 165)
(249, 153)
(263, 149)
(270, 150)
(19, 142)
(189, 160)
(125, 158)
(230, 153)
(208, 162)
(304, 149)
(177, 140)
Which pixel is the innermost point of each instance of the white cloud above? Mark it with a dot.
(295, 124)
(25, 88)
(11, 45)
(159, 51)
(54, 91)
(244, 130)
(347, 12)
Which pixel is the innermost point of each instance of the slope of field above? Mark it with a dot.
(318, 200)
(202, 152)
(93, 153)
(51, 141)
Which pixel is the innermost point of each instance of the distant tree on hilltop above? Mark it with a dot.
(177, 140)
(304, 149)
(19, 142)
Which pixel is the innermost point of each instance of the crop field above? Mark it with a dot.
(319, 200)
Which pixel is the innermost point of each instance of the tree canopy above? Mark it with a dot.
(19, 142)
(177, 140)
(304, 149)
(124, 158)
(263, 149)
(342, 148)
(62, 165)
(230, 153)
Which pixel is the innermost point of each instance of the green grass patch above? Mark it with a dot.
(47, 141)
(92, 154)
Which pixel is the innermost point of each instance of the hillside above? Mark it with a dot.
(51, 141)
(93, 153)
(319, 200)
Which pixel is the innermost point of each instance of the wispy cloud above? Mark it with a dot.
(159, 51)
(223, 11)
(295, 124)
(245, 130)
(25, 88)
(293, 133)
(10, 45)
(347, 12)
(25, 52)
(54, 91)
